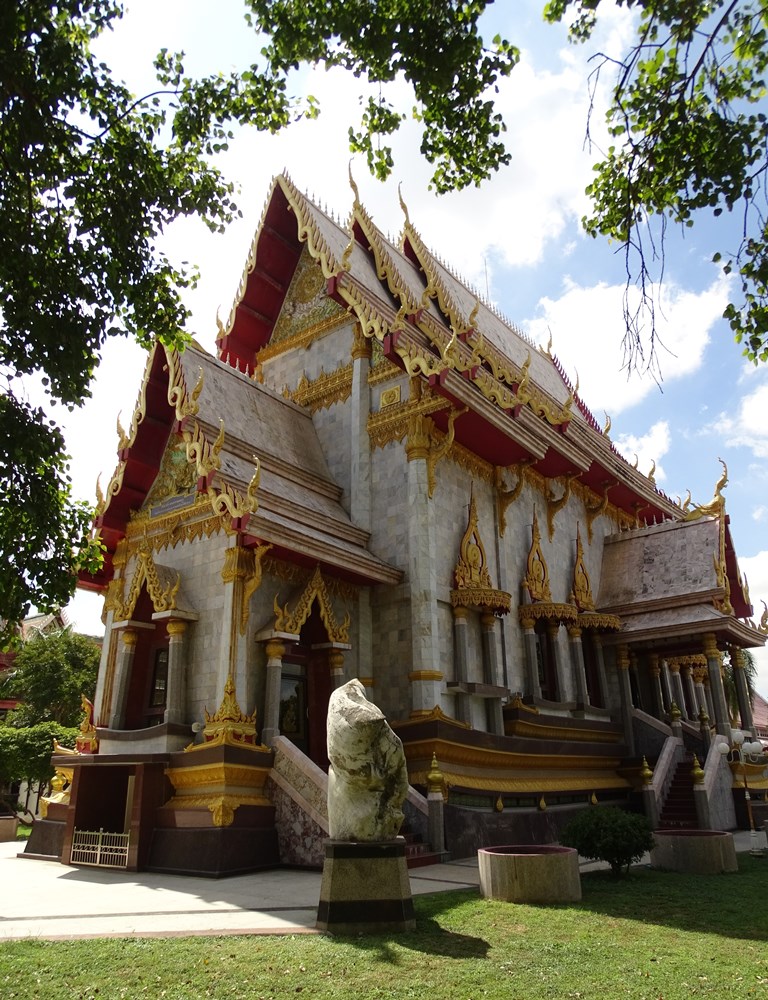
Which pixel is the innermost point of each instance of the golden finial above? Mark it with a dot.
(763, 626)
(353, 186)
(703, 717)
(696, 772)
(499, 805)
(637, 460)
(548, 348)
(607, 427)
(646, 774)
(542, 804)
(687, 502)
(593, 799)
(221, 330)
(652, 473)
(674, 712)
(122, 437)
(473, 315)
(99, 495)
(723, 480)
(435, 780)
(403, 205)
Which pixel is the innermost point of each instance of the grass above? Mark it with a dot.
(23, 831)
(651, 936)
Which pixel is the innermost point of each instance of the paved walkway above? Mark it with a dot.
(44, 899)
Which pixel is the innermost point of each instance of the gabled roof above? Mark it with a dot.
(256, 457)
(670, 581)
(520, 404)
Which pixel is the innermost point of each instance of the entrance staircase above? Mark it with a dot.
(299, 791)
(679, 811)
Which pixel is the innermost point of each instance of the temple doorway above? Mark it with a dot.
(305, 688)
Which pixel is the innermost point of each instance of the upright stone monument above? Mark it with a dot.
(365, 885)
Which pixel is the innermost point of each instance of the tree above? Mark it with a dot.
(688, 122)
(50, 674)
(25, 755)
(91, 175)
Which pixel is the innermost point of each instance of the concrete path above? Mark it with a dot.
(43, 899)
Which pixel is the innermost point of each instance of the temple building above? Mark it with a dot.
(377, 476)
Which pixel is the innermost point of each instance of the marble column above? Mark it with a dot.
(690, 692)
(336, 666)
(625, 694)
(461, 662)
(494, 716)
(426, 680)
(635, 676)
(738, 661)
(666, 685)
(577, 665)
(275, 650)
(360, 448)
(699, 673)
(531, 657)
(177, 676)
(602, 677)
(654, 670)
(714, 667)
(678, 695)
(708, 697)
(364, 645)
(125, 653)
(553, 631)
(238, 564)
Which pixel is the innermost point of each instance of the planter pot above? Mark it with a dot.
(696, 852)
(530, 874)
(8, 826)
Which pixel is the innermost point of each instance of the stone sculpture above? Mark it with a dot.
(367, 779)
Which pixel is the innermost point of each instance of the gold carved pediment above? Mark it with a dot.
(292, 621)
(536, 580)
(581, 594)
(474, 587)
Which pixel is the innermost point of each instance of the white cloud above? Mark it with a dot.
(647, 448)
(747, 427)
(760, 513)
(583, 322)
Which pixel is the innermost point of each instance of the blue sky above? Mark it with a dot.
(518, 238)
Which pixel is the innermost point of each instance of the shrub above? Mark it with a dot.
(604, 833)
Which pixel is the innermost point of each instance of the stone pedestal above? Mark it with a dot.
(365, 888)
(530, 874)
(695, 852)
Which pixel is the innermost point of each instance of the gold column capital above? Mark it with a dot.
(130, 637)
(275, 649)
(175, 628)
(710, 646)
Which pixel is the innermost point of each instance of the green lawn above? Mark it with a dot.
(651, 936)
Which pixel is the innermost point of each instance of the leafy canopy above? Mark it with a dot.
(25, 754)
(688, 120)
(49, 675)
(91, 175)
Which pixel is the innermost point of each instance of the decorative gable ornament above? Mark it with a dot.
(474, 588)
